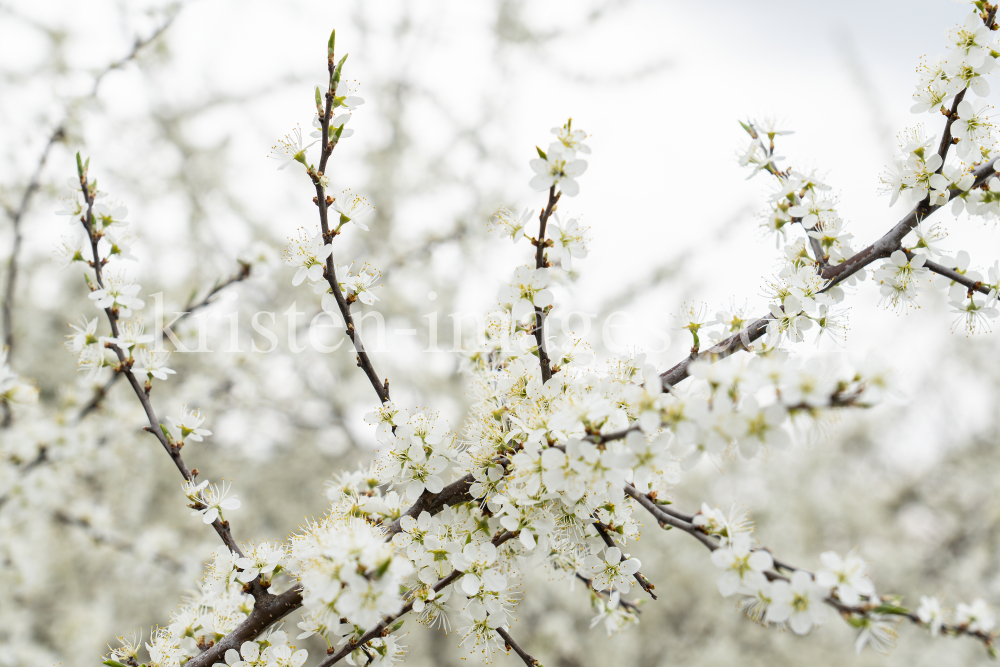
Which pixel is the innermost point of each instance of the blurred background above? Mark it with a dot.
(95, 539)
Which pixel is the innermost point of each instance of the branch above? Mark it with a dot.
(952, 115)
(16, 216)
(946, 138)
(540, 263)
(456, 492)
(424, 249)
(511, 644)
(951, 274)
(873, 604)
(884, 247)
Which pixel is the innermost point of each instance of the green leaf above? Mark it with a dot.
(541, 153)
(166, 432)
(330, 44)
(319, 98)
(397, 626)
(337, 71)
(113, 663)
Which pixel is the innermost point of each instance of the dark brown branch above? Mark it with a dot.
(267, 609)
(946, 138)
(677, 514)
(952, 274)
(666, 519)
(454, 493)
(540, 263)
(511, 644)
(946, 134)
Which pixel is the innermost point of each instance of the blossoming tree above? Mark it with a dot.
(560, 461)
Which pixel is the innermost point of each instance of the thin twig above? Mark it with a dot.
(323, 202)
(863, 610)
(511, 644)
(540, 263)
(955, 276)
(114, 542)
(125, 368)
(631, 606)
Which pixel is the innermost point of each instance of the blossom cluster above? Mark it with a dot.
(213, 611)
